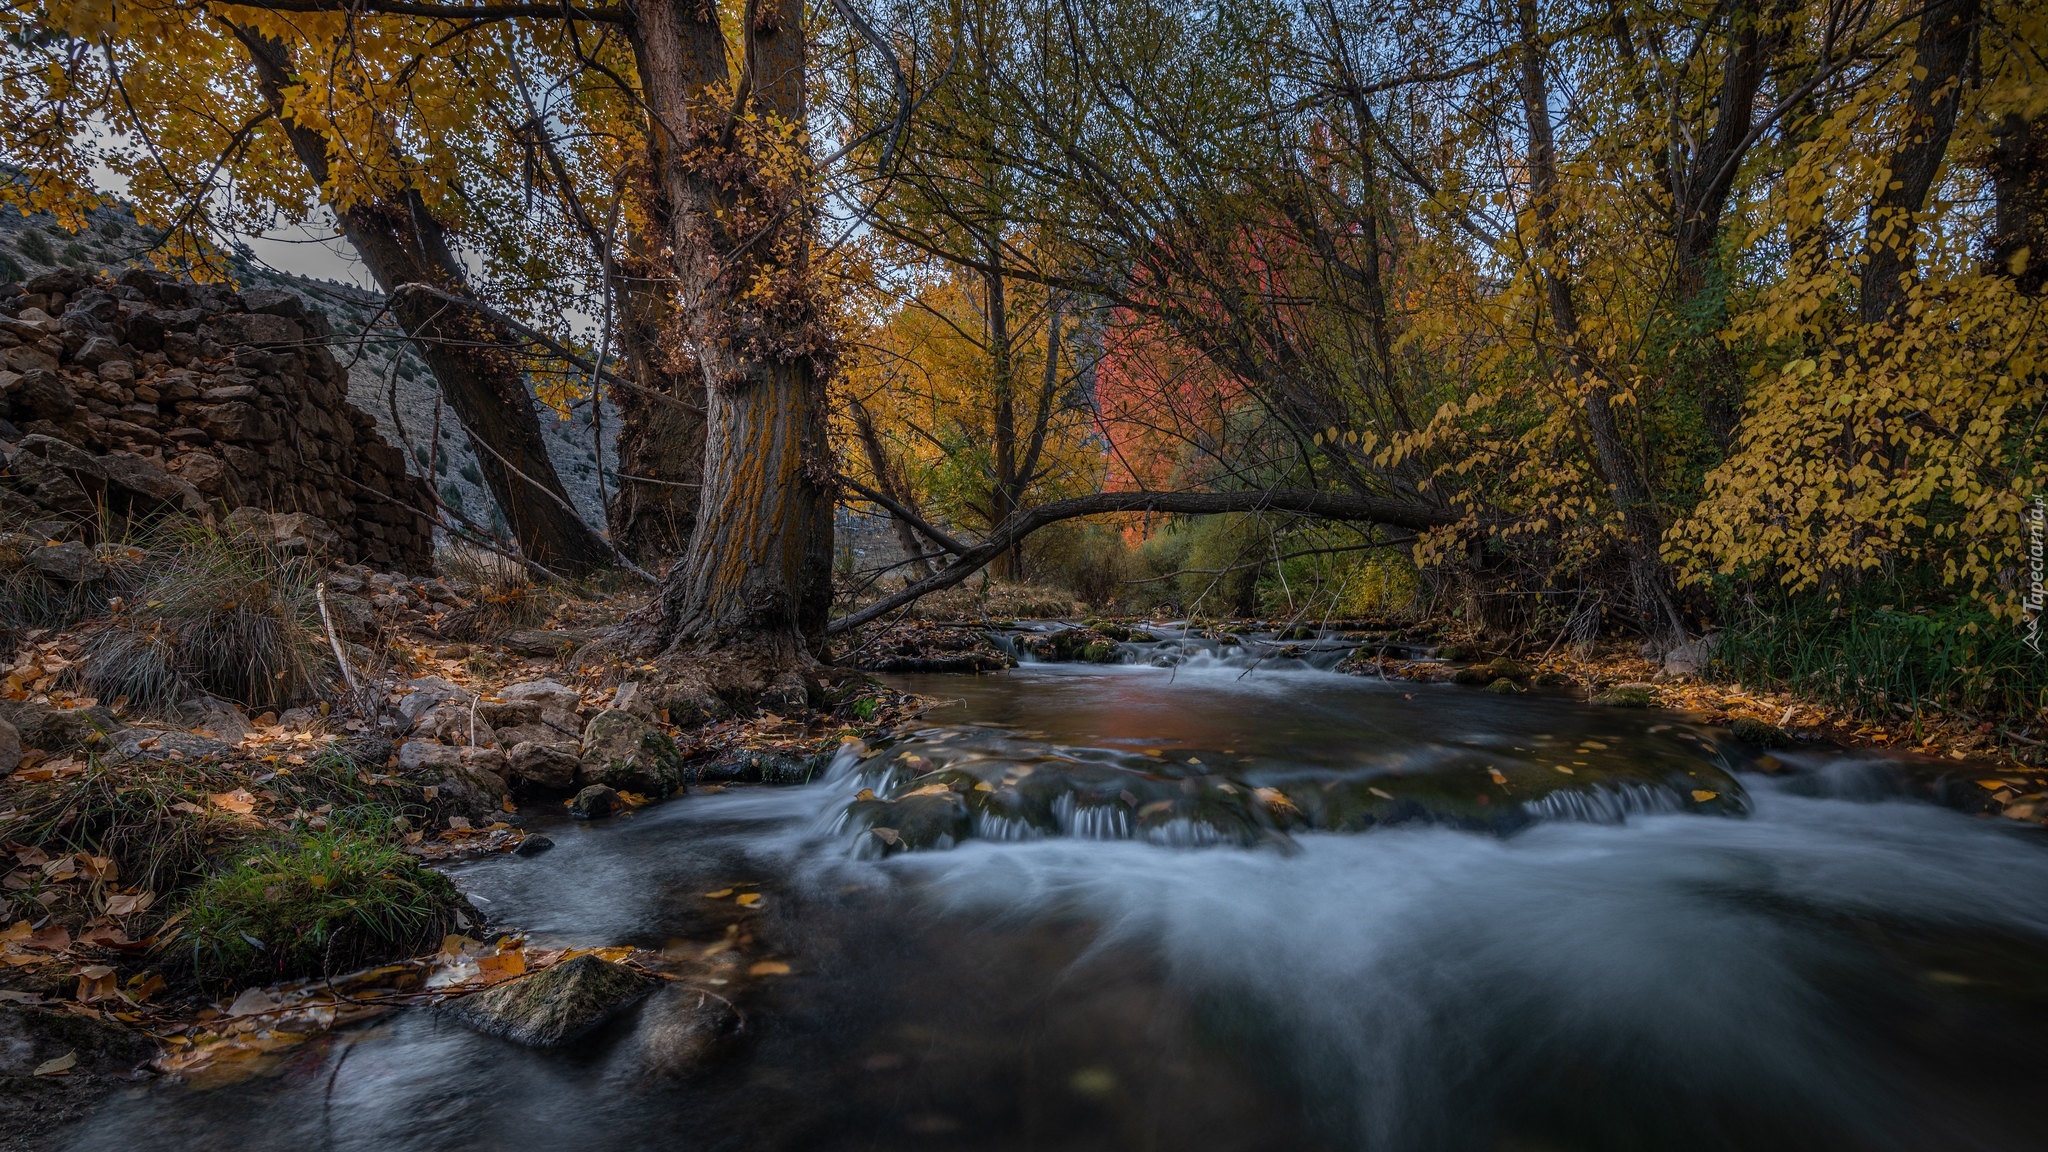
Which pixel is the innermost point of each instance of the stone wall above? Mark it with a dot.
(197, 389)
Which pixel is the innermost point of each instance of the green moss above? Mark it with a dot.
(1504, 668)
(1504, 687)
(1471, 677)
(1760, 734)
(331, 902)
(1627, 697)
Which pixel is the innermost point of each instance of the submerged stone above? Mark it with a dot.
(682, 1029)
(554, 1006)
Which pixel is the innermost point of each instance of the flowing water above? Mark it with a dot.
(1240, 903)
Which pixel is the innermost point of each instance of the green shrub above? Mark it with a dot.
(470, 472)
(74, 254)
(334, 901)
(1875, 658)
(35, 246)
(1090, 562)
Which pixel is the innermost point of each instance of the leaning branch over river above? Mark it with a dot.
(1306, 502)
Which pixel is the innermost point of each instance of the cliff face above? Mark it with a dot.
(215, 399)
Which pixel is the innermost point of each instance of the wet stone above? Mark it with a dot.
(554, 1006)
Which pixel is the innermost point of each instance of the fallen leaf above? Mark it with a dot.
(721, 894)
(1702, 795)
(747, 899)
(768, 968)
(887, 835)
(238, 801)
(96, 982)
(501, 967)
(61, 1066)
(1565, 770)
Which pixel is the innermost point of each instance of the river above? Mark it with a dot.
(1228, 907)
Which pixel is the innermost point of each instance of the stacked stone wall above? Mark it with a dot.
(220, 400)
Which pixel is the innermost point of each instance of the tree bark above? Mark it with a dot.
(402, 243)
(757, 574)
(1939, 55)
(660, 443)
(2019, 175)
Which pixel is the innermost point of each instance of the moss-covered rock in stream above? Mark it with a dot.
(1627, 696)
(1760, 734)
(554, 1006)
(625, 752)
(1504, 687)
(1071, 645)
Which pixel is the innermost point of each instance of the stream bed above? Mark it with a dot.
(1226, 906)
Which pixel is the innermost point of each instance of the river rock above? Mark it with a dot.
(423, 693)
(533, 844)
(452, 722)
(466, 782)
(762, 768)
(629, 754)
(545, 695)
(69, 562)
(58, 729)
(1691, 659)
(554, 1006)
(682, 1029)
(536, 769)
(219, 717)
(594, 803)
(167, 744)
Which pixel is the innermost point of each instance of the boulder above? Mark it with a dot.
(57, 729)
(535, 769)
(41, 394)
(141, 482)
(629, 754)
(167, 744)
(545, 695)
(1691, 659)
(463, 781)
(224, 720)
(452, 722)
(594, 803)
(554, 1006)
(423, 693)
(533, 844)
(70, 562)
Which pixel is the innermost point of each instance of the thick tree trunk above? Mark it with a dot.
(2019, 173)
(1643, 534)
(661, 425)
(1939, 55)
(757, 576)
(402, 243)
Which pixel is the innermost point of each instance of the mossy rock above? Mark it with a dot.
(1627, 696)
(1298, 632)
(1471, 677)
(1504, 687)
(1456, 652)
(1552, 680)
(631, 755)
(553, 1006)
(1760, 734)
(1506, 669)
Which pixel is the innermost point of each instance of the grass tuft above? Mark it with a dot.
(318, 906)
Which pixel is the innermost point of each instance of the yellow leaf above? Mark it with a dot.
(1701, 795)
(768, 968)
(747, 899)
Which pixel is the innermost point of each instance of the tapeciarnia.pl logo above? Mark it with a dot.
(2037, 569)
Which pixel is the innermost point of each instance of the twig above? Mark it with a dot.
(348, 674)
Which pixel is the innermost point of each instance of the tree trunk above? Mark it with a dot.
(1658, 610)
(2019, 174)
(1004, 493)
(886, 480)
(661, 425)
(402, 243)
(1939, 55)
(756, 580)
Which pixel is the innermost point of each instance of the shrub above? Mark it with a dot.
(74, 254)
(151, 816)
(227, 616)
(506, 598)
(332, 902)
(36, 247)
(470, 472)
(1090, 562)
(1871, 656)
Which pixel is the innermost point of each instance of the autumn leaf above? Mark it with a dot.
(768, 968)
(61, 1066)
